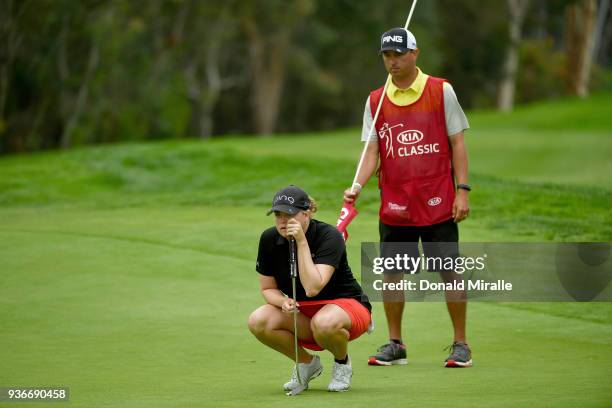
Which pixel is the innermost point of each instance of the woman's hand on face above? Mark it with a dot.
(294, 229)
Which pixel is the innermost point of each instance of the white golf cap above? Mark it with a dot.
(397, 39)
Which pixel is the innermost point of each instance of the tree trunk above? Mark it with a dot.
(10, 41)
(269, 28)
(602, 16)
(268, 68)
(507, 86)
(6, 56)
(81, 99)
(203, 71)
(579, 36)
(202, 100)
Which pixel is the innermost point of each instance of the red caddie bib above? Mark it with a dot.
(415, 175)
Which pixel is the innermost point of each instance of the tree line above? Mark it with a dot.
(76, 72)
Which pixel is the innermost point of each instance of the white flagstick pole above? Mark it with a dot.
(384, 92)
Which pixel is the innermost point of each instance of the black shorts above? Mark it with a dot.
(439, 241)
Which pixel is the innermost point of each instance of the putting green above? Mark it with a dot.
(127, 271)
(148, 307)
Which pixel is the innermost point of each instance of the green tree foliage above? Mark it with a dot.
(91, 71)
(473, 41)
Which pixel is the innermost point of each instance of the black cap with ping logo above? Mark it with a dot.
(397, 39)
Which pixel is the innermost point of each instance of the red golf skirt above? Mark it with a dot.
(358, 313)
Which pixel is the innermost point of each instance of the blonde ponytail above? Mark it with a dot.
(313, 205)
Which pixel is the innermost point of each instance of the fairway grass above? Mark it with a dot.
(127, 272)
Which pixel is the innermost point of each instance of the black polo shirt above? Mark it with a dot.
(327, 247)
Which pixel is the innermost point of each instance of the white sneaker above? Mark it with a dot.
(341, 377)
(307, 372)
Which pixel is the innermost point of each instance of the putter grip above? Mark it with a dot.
(292, 258)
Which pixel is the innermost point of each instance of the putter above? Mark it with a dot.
(293, 271)
(373, 127)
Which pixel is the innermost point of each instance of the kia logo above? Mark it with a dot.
(434, 201)
(409, 137)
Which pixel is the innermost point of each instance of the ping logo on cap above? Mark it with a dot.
(284, 197)
(290, 200)
(395, 38)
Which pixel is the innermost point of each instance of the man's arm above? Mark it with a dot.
(461, 206)
(370, 160)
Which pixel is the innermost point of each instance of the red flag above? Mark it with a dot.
(347, 214)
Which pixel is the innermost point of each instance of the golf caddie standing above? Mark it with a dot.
(332, 307)
(423, 178)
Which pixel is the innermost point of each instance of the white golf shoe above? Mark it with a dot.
(341, 377)
(307, 372)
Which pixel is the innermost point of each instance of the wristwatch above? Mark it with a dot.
(464, 187)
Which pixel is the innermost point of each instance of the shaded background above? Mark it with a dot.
(87, 72)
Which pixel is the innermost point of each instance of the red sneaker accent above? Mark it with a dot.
(372, 361)
(453, 363)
